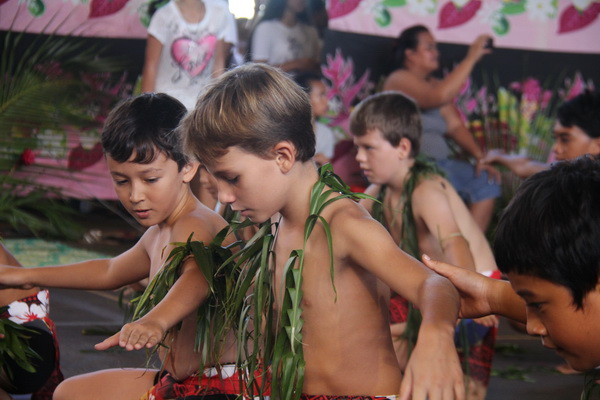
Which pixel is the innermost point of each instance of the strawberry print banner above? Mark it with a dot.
(547, 25)
(99, 18)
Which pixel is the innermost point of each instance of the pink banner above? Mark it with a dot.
(99, 18)
(545, 25)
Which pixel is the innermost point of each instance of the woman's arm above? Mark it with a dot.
(428, 95)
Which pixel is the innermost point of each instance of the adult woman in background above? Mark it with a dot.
(418, 58)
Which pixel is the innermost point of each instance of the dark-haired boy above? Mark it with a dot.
(422, 212)
(576, 132)
(151, 176)
(252, 129)
(547, 245)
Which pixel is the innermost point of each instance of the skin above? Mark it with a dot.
(345, 338)
(193, 12)
(569, 143)
(158, 196)
(415, 80)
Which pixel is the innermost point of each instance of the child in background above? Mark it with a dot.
(151, 175)
(252, 129)
(312, 84)
(422, 212)
(547, 245)
(576, 132)
(189, 43)
(30, 308)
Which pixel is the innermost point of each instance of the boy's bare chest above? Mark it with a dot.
(315, 257)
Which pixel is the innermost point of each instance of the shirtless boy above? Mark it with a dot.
(418, 206)
(547, 245)
(151, 176)
(252, 129)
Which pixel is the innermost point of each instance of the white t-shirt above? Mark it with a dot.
(277, 43)
(325, 140)
(187, 56)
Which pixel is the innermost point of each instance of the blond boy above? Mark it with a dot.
(252, 129)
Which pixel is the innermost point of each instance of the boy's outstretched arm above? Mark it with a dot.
(434, 370)
(98, 274)
(186, 295)
(481, 295)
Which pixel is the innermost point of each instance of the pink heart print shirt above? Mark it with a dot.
(188, 51)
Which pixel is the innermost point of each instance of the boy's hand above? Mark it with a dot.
(472, 287)
(135, 336)
(433, 370)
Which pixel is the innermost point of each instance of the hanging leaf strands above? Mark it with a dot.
(15, 345)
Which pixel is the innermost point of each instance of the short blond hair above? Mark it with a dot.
(254, 107)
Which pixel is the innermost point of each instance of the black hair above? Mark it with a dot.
(276, 8)
(408, 39)
(551, 228)
(145, 125)
(304, 79)
(394, 114)
(582, 111)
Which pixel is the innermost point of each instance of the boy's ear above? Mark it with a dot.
(189, 170)
(404, 148)
(595, 146)
(285, 155)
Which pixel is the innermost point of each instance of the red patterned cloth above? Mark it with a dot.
(328, 397)
(213, 384)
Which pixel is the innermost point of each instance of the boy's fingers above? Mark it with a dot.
(405, 386)
(108, 342)
(440, 267)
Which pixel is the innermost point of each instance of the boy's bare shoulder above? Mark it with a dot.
(203, 222)
(347, 217)
(430, 184)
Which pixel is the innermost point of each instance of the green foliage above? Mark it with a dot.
(15, 345)
(44, 86)
(24, 205)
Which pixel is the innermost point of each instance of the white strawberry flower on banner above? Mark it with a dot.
(540, 10)
(421, 7)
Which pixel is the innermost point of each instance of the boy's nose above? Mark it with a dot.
(136, 194)
(224, 194)
(535, 327)
(360, 155)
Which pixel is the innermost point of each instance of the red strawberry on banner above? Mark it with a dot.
(101, 8)
(451, 15)
(339, 8)
(573, 19)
